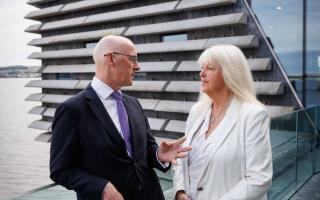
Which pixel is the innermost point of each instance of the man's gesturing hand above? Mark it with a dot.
(169, 151)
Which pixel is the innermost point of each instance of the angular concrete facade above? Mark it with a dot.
(168, 83)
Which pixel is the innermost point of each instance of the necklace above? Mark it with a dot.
(221, 113)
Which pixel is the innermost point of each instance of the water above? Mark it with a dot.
(23, 161)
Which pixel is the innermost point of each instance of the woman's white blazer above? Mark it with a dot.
(237, 159)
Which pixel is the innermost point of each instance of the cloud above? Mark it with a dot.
(13, 39)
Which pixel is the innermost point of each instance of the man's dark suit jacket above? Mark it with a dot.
(87, 151)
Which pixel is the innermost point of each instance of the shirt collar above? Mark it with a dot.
(102, 89)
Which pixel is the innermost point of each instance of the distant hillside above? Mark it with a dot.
(13, 67)
(18, 71)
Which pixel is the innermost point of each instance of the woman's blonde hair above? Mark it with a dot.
(235, 71)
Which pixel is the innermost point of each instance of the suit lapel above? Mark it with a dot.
(101, 113)
(221, 133)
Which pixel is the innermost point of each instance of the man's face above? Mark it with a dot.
(126, 64)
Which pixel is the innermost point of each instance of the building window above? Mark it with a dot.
(140, 76)
(174, 37)
(91, 44)
(64, 76)
(313, 38)
(274, 16)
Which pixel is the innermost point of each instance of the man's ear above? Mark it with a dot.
(109, 58)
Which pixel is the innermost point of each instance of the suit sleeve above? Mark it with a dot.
(152, 147)
(258, 160)
(65, 155)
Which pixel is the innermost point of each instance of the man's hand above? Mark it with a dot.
(169, 151)
(181, 195)
(111, 193)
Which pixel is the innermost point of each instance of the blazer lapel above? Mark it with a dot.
(221, 132)
(197, 125)
(198, 122)
(101, 113)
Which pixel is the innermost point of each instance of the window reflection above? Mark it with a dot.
(313, 37)
(282, 21)
(64, 76)
(91, 44)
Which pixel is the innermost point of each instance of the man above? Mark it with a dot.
(101, 144)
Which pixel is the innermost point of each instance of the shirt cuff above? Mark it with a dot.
(164, 165)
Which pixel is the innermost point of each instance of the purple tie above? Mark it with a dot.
(124, 122)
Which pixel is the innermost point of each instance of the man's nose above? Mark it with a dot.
(136, 66)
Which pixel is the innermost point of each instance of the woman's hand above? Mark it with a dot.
(181, 195)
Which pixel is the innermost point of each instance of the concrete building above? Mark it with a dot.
(170, 35)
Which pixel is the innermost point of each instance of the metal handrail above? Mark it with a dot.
(309, 118)
(35, 190)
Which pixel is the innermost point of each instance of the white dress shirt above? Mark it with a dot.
(104, 92)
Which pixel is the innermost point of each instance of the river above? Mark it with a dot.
(23, 161)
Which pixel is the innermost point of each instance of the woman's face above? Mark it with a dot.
(211, 79)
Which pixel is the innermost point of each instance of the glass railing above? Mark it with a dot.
(56, 192)
(295, 144)
(295, 149)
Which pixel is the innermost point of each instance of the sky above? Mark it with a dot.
(13, 40)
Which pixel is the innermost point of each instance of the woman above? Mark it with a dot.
(228, 130)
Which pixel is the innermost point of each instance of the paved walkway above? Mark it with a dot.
(310, 191)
